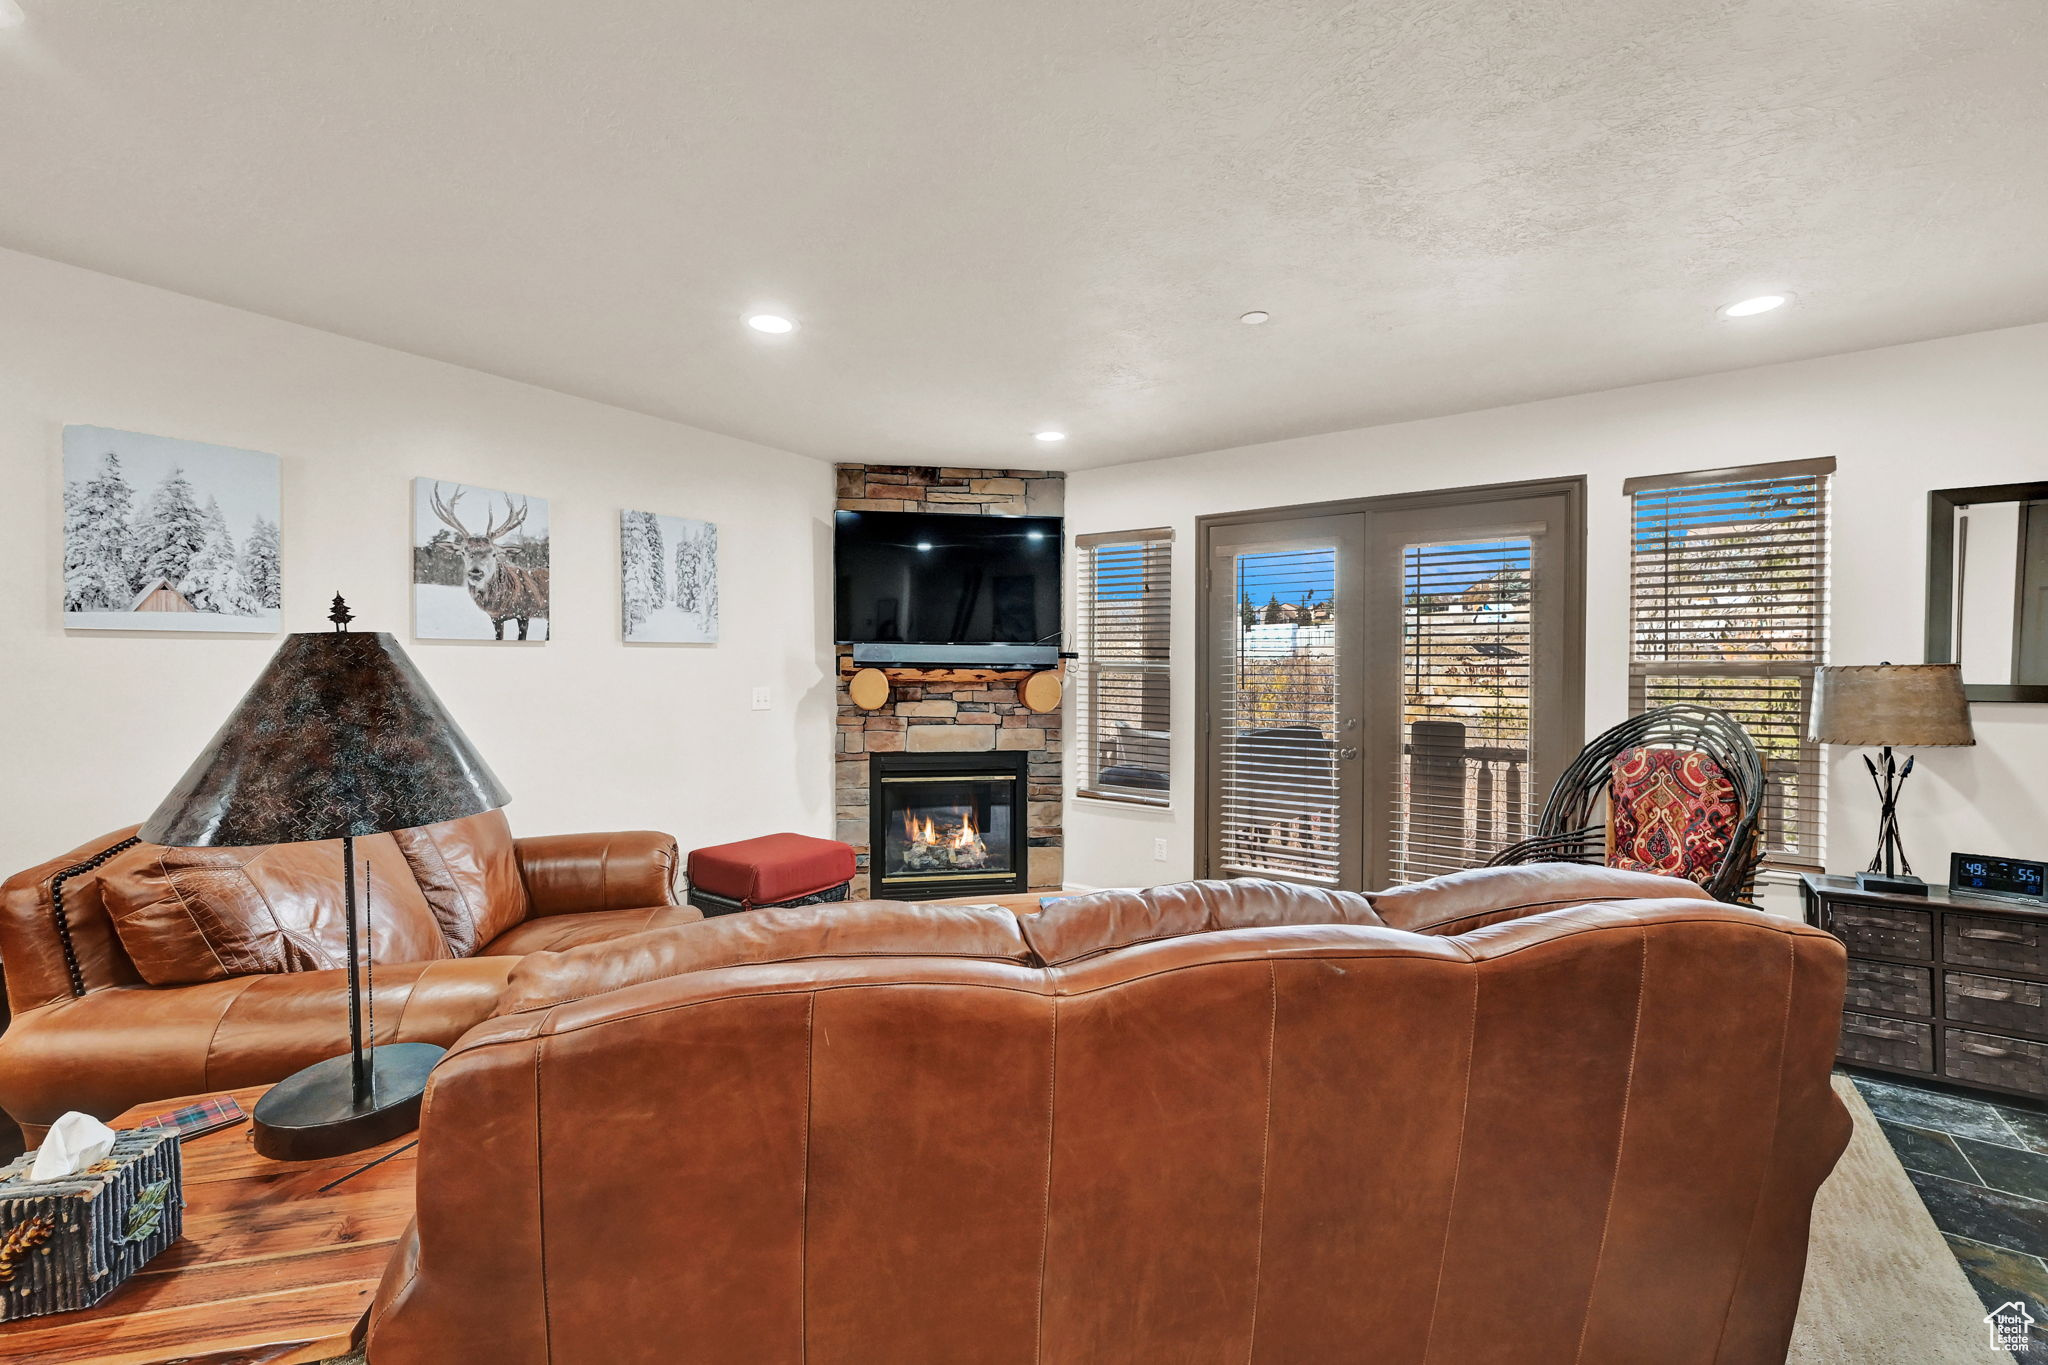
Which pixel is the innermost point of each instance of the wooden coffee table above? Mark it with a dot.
(277, 1264)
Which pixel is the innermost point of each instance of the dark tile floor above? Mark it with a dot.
(1982, 1170)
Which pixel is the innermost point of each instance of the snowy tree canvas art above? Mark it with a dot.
(162, 534)
(479, 563)
(668, 578)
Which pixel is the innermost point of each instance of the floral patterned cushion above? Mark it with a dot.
(1670, 811)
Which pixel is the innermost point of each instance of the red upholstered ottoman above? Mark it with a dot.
(775, 869)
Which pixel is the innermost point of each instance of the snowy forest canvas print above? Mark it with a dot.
(668, 568)
(162, 534)
(479, 563)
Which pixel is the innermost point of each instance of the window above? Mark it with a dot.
(1729, 609)
(1125, 674)
(1467, 680)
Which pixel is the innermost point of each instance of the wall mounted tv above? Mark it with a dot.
(911, 587)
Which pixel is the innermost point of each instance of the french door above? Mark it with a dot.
(1282, 703)
(1388, 687)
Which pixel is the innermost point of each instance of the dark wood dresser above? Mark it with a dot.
(1952, 988)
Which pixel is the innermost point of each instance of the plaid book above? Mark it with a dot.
(204, 1117)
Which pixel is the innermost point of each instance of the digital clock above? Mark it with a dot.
(2014, 878)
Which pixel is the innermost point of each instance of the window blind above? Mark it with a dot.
(1277, 781)
(1124, 699)
(1729, 609)
(1466, 686)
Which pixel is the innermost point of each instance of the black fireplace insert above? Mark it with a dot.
(946, 825)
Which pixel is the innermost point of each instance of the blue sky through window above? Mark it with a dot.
(1671, 512)
(1446, 569)
(1287, 575)
(1119, 571)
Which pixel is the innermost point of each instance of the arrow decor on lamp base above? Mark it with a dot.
(339, 738)
(1889, 871)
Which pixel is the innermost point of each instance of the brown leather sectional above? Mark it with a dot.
(172, 971)
(1544, 1114)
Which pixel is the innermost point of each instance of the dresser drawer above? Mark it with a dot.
(2011, 943)
(1984, 1059)
(1890, 987)
(1883, 930)
(1994, 1001)
(1896, 1043)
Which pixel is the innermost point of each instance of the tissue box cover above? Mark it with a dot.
(70, 1242)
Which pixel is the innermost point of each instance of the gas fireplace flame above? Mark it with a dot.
(926, 832)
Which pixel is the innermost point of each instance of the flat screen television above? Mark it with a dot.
(920, 578)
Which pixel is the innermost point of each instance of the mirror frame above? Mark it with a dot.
(1941, 585)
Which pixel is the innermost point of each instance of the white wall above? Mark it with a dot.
(587, 732)
(1900, 421)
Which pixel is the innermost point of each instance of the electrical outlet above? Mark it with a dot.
(761, 700)
(1159, 850)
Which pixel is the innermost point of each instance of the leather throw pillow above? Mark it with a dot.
(185, 915)
(470, 876)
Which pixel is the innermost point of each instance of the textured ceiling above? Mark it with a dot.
(997, 215)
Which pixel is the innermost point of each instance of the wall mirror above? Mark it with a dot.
(1987, 588)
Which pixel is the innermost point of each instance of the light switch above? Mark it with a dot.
(761, 701)
(1159, 850)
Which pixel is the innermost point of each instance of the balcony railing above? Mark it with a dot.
(1459, 802)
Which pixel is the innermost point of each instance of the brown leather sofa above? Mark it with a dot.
(1539, 1114)
(172, 971)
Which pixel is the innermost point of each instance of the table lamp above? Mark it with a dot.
(1879, 706)
(339, 738)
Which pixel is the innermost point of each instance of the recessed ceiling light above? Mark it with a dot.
(1749, 308)
(1048, 436)
(1255, 317)
(11, 15)
(772, 323)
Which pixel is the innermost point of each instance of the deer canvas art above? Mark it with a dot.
(480, 563)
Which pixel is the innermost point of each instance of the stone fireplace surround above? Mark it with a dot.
(928, 717)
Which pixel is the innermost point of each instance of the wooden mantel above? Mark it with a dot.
(952, 677)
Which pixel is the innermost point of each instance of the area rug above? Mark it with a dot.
(1882, 1287)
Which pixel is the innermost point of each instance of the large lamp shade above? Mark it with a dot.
(340, 736)
(1909, 706)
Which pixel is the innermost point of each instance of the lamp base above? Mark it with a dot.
(1894, 885)
(313, 1113)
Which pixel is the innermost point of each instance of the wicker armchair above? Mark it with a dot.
(1573, 828)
